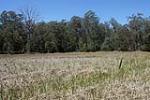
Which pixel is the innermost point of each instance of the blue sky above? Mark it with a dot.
(65, 9)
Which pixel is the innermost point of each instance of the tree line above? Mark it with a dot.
(20, 33)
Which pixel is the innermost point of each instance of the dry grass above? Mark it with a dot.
(75, 76)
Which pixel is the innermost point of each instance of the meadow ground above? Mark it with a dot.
(75, 76)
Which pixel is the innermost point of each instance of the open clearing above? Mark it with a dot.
(75, 76)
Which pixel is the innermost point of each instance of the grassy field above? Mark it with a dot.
(75, 76)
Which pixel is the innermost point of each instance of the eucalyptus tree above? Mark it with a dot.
(92, 30)
(136, 25)
(30, 16)
(76, 24)
(38, 42)
(12, 31)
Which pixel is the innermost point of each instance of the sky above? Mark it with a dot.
(50, 10)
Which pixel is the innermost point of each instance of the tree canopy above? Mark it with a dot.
(20, 33)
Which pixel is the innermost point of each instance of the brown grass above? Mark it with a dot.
(75, 76)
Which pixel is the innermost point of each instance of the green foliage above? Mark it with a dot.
(19, 34)
(12, 32)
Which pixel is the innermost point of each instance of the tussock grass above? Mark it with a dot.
(75, 76)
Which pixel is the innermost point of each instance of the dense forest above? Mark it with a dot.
(21, 33)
